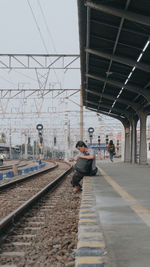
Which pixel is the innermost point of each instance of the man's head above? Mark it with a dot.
(81, 146)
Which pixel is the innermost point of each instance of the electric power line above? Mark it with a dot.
(37, 26)
(40, 31)
(48, 30)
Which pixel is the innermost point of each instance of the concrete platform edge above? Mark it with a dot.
(91, 249)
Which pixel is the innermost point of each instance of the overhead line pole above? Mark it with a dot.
(81, 115)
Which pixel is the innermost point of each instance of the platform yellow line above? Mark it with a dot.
(90, 234)
(84, 227)
(142, 212)
(87, 214)
(86, 205)
(91, 244)
(84, 210)
(89, 260)
(88, 220)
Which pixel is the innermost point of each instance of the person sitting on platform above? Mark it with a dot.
(85, 165)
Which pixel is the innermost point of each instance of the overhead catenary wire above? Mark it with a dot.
(46, 24)
(49, 33)
(38, 27)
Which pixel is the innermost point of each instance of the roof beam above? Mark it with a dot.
(120, 13)
(115, 116)
(115, 44)
(120, 100)
(123, 120)
(142, 34)
(116, 110)
(130, 88)
(112, 41)
(122, 60)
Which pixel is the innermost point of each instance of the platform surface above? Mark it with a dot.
(119, 198)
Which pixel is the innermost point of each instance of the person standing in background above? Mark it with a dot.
(111, 150)
(1, 159)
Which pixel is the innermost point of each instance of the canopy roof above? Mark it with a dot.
(115, 56)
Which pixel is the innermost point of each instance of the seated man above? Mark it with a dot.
(85, 153)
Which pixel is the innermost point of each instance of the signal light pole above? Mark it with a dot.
(39, 127)
(99, 141)
(91, 131)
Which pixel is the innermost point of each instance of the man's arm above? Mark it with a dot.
(87, 156)
(76, 158)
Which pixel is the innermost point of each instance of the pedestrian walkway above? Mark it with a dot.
(121, 204)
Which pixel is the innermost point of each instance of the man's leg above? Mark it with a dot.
(75, 181)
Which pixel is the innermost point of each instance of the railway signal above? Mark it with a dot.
(107, 139)
(39, 127)
(99, 141)
(91, 131)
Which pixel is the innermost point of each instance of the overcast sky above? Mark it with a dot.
(38, 27)
(28, 26)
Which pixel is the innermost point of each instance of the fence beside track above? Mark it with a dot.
(10, 174)
(30, 175)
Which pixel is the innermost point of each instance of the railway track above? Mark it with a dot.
(16, 195)
(20, 233)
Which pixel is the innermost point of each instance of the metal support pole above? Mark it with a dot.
(26, 148)
(81, 115)
(10, 152)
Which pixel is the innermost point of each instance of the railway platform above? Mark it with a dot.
(114, 219)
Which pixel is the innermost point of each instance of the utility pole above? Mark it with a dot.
(81, 115)
(10, 154)
(25, 144)
(67, 137)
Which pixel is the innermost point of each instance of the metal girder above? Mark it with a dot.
(124, 120)
(130, 88)
(112, 42)
(120, 100)
(34, 89)
(88, 40)
(38, 61)
(124, 29)
(115, 44)
(13, 93)
(120, 13)
(122, 60)
(116, 110)
(96, 64)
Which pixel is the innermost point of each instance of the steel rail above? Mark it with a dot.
(8, 221)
